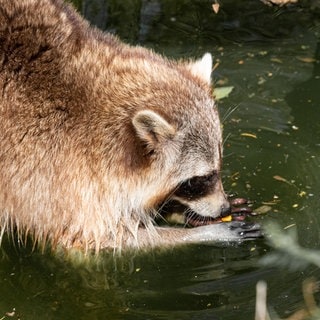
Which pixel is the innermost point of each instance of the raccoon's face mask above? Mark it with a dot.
(196, 201)
(197, 187)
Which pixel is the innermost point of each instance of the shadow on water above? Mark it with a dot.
(270, 57)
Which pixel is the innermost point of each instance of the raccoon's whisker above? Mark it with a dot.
(226, 138)
(173, 191)
(225, 116)
(169, 197)
(185, 224)
(158, 214)
(160, 217)
(228, 155)
(229, 112)
(165, 202)
(186, 213)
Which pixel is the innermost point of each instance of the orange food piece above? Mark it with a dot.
(227, 218)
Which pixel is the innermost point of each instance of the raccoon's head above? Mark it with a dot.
(184, 143)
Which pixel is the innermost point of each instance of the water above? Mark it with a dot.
(272, 129)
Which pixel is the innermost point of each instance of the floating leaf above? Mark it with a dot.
(270, 203)
(277, 60)
(302, 193)
(262, 210)
(222, 92)
(279, 178)
(250, 135)
(306, 59)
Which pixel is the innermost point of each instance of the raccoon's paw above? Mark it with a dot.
(235, 231)
(246, 230)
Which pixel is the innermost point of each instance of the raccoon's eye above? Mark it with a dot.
(197, 187)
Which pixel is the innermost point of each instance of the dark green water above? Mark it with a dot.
(272, 128)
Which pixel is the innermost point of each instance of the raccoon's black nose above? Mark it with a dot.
(225, 211)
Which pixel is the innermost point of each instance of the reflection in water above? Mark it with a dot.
(187, 283)
(262, 53)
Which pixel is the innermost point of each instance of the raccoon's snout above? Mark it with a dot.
(225, 210)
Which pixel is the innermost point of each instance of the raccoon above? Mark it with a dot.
(98, 135)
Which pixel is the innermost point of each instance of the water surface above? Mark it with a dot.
(270, 56)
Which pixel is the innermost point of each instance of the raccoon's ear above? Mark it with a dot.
(202, 68)
(152, 128)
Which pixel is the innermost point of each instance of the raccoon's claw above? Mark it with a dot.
(238, 201)
(245, 210)
(240, 209)
(246, 230)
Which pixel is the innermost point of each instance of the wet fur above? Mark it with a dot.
(79, 164)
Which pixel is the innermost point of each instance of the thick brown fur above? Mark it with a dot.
(82, 162)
